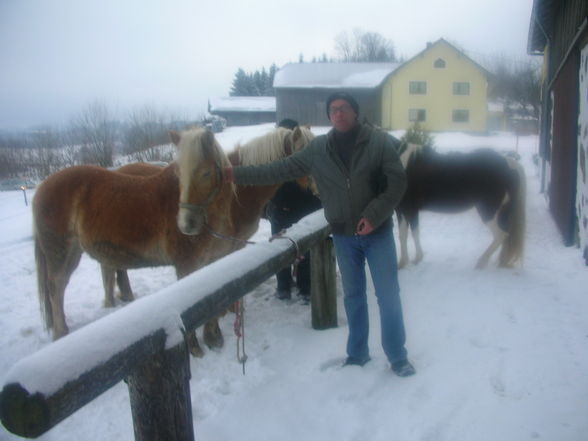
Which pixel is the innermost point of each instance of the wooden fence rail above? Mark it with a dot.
(143, 342)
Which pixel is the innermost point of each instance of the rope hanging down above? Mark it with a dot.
(239, 328)
(239, 325)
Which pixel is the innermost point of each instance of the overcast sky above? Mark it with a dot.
(57, 56)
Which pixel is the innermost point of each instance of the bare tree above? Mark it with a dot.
(146, 128)
(515, 81)
(97, 133)
(45, 158)
(363, 46)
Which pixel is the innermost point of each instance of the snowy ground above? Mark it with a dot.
(501, 354)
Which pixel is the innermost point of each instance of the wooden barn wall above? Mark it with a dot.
(567, 20)
(308, 106)
(582, 189)
(562, 194)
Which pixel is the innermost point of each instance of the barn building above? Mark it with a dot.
(559, 31)
(244, 110)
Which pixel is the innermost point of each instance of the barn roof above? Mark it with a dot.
(333, 75)
(243, 104)
(541, 25)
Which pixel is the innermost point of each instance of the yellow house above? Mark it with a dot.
(441, 88)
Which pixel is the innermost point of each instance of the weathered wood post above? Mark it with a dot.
(323, 285)
(159, 391)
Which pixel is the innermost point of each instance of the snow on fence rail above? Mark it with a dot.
(143, 343)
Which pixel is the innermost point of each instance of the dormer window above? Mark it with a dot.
(439, 63)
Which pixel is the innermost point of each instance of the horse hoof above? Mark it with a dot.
(126, 298)
(214, 341)
(196, 351)
(193, 345)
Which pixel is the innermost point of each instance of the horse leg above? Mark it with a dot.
(193, 345)
(213, 336)
(124, 286)
(498, 238)
(403, 238)
(191, 337)
(416, 237)
(58, 278)
(108, 283)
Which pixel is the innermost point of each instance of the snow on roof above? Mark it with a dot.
(333, 75)
(243, 104)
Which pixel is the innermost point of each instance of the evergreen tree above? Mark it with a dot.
(418, 135)
(258, 83)
(239, 87)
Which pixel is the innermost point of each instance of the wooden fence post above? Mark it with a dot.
(159, 391)
(323, 285)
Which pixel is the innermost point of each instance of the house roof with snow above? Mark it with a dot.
(243, 104)
(333, 75)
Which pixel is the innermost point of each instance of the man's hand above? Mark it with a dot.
(364, 227)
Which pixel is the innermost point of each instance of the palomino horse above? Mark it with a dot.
(455, 182)
(127, 221)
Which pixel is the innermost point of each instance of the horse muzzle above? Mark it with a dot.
(191, 219)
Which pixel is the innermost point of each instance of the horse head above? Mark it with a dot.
(200, 162)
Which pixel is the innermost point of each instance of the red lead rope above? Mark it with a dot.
(239, 328)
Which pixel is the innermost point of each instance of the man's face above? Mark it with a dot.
(342, 115)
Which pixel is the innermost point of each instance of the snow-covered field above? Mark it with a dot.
(500, 354)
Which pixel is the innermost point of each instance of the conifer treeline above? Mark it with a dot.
(258, 83)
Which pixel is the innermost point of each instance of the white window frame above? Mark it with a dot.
(417, 87)
(455, 116)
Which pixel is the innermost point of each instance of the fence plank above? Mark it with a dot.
(96, 357)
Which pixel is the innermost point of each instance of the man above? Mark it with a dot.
(290, 204)
(360, 180)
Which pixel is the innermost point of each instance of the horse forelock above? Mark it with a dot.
(195, 146)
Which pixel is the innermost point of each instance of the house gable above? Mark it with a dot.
(442, 87)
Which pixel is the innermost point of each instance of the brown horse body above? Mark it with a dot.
(127, 221)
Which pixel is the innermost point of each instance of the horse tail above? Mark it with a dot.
(513, 246)
(43, 288)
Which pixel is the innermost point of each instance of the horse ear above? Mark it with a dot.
(174, 136)
(209, 137)
(208, 144)
(297, 134)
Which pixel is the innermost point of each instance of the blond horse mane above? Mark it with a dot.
(271, 146)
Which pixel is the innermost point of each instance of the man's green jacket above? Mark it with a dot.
(371, 188)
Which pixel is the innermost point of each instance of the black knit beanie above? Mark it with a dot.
(342, 96)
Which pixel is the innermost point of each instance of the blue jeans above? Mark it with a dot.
(380, 252)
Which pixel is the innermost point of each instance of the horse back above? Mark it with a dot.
(116, 217)
(454, 182)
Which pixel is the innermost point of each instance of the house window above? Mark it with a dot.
(417, 87)
(417, 115)
(439, 63)
(461, 116)
(461, 88)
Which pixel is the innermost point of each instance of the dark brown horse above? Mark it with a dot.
(455, 182)
(162, 218)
